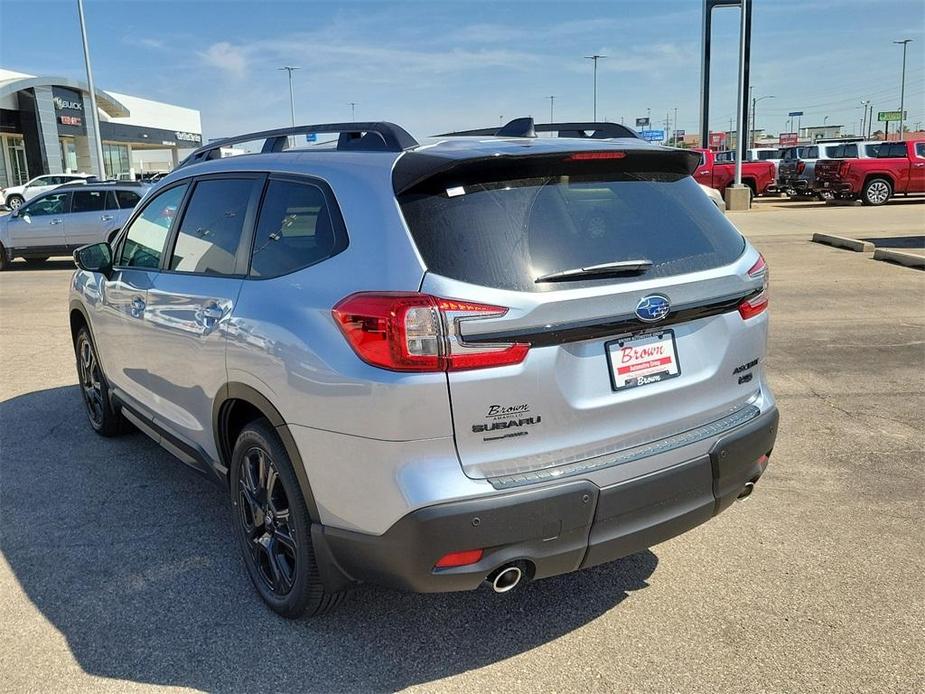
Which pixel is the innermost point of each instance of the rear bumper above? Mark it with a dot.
(555, 528)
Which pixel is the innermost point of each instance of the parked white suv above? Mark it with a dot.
(14, 196)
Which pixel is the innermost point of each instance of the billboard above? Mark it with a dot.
(717, 140)
(887, 116)
(653, 135)
(642, 122)
(788, 139)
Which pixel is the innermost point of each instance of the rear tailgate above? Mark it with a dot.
(617, 364)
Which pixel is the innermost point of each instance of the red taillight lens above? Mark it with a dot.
(470, 556)
(801, 165)
(749, 308)
(418, 332)
(586, 156)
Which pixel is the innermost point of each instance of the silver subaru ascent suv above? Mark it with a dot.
(428, 365)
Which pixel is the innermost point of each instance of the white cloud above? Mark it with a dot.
(228, 57)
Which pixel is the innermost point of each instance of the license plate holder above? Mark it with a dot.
(639, 360)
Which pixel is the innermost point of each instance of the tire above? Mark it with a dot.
(14, 202)
(876, 192)
(273, 527)
(94, 388)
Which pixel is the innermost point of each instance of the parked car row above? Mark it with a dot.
(63, 219)
(873, 175)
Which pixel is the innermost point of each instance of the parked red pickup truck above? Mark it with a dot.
(897, 167)
(757, 175)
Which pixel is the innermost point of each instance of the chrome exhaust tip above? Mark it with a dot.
(505, 579)
(746, 491)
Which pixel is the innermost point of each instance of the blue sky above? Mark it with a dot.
(438, 65)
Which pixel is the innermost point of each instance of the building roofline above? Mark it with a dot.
(106, 103)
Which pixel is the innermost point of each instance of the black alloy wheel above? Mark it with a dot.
(264, 514)
(94, 389)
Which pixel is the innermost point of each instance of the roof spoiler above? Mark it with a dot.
(363, 137)
(525, 127)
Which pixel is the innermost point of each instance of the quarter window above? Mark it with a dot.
(211, 228)
(88, 200)
(144, 242)
(295, 230)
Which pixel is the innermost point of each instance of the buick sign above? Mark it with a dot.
(63, 104)
(653, 308)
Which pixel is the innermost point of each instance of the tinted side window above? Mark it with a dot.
(920, 149)
(56, 203)
(295, 230)
(88, 200)
(144, 242)
(111, 203)
(211, 228)
(811, 153)
(127, 199)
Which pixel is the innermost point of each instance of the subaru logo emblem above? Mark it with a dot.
(653, 308)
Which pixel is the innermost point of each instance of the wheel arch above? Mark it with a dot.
(871, 175)
(239, 404)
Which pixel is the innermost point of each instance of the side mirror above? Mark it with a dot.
(97, 257)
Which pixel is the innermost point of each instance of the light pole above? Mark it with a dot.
(353, 111)
(552, 101)
(902, 89)
(865, 104)
(94, 113)
(675, 126)
(289, 69)
(595, 58)
(754, 118)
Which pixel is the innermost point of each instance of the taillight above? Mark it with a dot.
(801, 165)
(585, 156)
(469, 556)
(418, 332)
(751, 307)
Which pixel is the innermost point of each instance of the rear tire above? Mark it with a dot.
(273, 527)
(876, 192)
(94, 388)
(14, 202)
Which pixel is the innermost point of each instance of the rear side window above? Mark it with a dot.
(145, 239)
(891, 150)
(295, 230)
(211, 228)
(127, 199)
(88, 201)
(507, 234)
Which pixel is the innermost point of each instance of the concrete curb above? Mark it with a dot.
(844, 242)
(907, 259)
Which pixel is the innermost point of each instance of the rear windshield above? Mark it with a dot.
(506, 234)
(768, 154)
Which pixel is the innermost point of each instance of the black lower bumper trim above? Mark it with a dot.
(556, 528)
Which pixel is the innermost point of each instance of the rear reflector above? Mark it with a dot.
(586, 156)
(417, 332)
(470, 556)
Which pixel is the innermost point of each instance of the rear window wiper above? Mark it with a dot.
(620, 267)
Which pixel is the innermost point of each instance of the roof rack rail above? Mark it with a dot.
(363, 137)
(599, 130)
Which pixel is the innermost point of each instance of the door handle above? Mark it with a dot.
(138, 307)
(212, 312)
(106, 217)
(56, 221)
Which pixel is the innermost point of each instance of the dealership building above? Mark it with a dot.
(44, 130)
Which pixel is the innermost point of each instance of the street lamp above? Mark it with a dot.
(95, 119)
(902, 89)
(595, 58)
(754, 118)
(552, 101)
(353, 110)
(865, 121)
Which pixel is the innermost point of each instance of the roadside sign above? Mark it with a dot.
(887, 116)
(788, 139)
(642, 122)
(311, 137)
(653, 135)
(678, 134)
(717, 140)
(793, 114)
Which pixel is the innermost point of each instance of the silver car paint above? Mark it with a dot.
(377, 444)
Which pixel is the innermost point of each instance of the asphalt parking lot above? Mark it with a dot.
(118, 570)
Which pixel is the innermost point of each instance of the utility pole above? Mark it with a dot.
(289, 69)
(353, 111)
(902, 89)
(675, 126)
(595, 58)
(94, 113)
(552, 101)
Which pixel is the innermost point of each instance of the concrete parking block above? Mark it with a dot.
(900, 257)
(843, 242)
